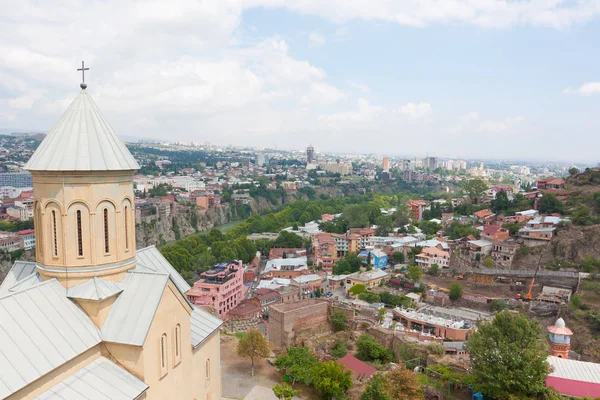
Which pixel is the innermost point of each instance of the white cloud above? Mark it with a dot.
(414, 110)
(360, 86)
(471, 122)
(557, 14)
(586, 89)
(316, 39)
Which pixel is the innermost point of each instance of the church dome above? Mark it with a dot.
(560, 323)
(82, 140)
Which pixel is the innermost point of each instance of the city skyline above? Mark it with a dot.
(484, 80)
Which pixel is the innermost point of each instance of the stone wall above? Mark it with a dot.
(286, 320)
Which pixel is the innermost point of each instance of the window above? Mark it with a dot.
(79, 235)
(177, 345)
(106, 245)
(163, 355)
(207, 366)
(126, 228)
(54, 241)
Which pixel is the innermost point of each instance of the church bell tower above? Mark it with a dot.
(83, 198)
(560, 339)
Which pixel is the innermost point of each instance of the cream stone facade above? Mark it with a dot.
(94, 318)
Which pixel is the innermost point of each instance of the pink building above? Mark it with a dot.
(221, 287)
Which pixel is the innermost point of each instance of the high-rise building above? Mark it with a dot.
(18, 180)
(386, 163)
(430, 163)
(310, 154)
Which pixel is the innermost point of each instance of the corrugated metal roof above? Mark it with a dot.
(40, 329)
(130, 317)
(575, 370)
(203, 325)
(82, 140)
(150, 258)
(95, 289)
(19, 271)
(99, 380)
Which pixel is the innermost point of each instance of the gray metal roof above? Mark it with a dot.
(19, 271)
(99, 380)
(82, 140)
(40, 329)
(132, 313)
(203, 325)
(574, 370)
(150, 259)
(95, 289)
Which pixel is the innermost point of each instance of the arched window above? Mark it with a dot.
(54, 236)
(177, 344)
(79, 235)
(126, 228)
(163, 355)
(207, 369)
(106, 245)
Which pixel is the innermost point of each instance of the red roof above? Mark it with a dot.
(356, 366)
(491, 229)
(570, 387)
(26, 232)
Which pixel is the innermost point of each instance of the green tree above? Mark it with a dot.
(474, 188)
(501, 202)
(342, 267)
(414, 273)
(489, 262)
(397, 257)
(297, 362)
(331, 379)
(339, 320)
(381, 314)
(513, 228)
(573, 171)
(358, 289)
(402, 384)
(369, 349)
(582, 216)
(285, 391)
(376, 389)
(456, 291)
(385, 225)
(508, 357)
(253, 345)
(549, 204)
(339, 348)
(355, 262)
(369, 297)
(434, 270)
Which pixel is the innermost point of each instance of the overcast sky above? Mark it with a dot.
(464, 78)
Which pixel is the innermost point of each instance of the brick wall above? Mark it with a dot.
(288, 318)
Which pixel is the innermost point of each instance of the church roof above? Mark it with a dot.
(149, 259)
(82, 140)
(131, 315)
(99, 380)
(20, 271)
(40, 329)
(203, 325)
(95, 289)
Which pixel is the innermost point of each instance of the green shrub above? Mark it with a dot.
(358, 289)
(339, 319)
(369, 349)
(339, 348)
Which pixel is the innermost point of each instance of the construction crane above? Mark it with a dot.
(529, 295)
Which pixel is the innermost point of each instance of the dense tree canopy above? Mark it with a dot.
(297, 362)
(508, 357)
(549, 204)
(474, 188)
(331, 379)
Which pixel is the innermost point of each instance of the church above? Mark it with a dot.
(93, 317)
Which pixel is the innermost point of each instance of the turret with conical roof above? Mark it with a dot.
(560, 339)
(83, 198)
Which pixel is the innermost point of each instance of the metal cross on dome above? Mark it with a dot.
(83, 69)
